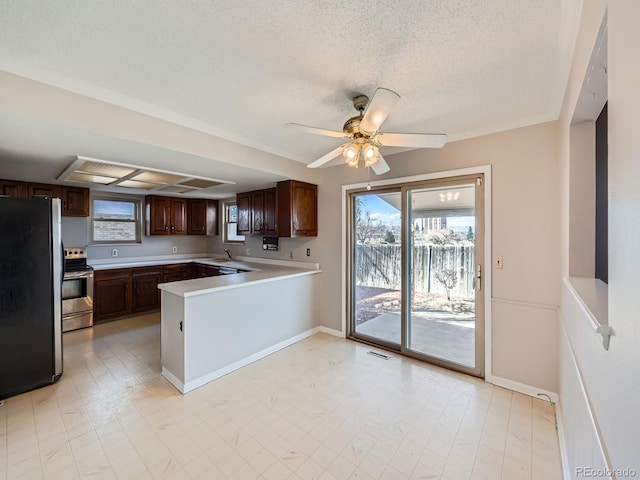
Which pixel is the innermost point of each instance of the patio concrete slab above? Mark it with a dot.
(454, 342)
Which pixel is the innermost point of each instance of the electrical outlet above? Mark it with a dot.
(308, 252)
(114, 252)
(175, 249)
(248, 251)
(498, 262)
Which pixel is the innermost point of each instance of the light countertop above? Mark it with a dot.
(257, 270)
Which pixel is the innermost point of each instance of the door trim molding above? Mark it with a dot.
(483, 169)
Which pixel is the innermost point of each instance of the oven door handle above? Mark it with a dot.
(72, 275)
(69, 316)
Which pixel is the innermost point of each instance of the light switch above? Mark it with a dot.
(498, 262)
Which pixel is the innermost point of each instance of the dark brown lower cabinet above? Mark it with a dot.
(145, 295)
(176, 272)
(125, 291)
(112, 294)
(201, 271)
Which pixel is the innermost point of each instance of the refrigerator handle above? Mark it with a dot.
(58, 270)
(64, 264)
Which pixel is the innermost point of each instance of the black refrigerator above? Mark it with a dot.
(31, 270)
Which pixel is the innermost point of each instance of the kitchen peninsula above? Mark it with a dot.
(212, 326)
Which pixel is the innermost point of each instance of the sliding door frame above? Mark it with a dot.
(352, 195)
(403, 184)
(479, 326)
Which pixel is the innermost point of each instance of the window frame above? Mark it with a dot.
(137, 202)
(225, 224)
(601, 214)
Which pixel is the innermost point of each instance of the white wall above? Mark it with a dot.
(525, 219)
(605, 385)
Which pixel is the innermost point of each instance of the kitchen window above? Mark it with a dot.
(230, 231)
(115, 220)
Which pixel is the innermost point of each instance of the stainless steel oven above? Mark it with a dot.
(77, 290)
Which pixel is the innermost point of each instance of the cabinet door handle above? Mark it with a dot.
(166, 228)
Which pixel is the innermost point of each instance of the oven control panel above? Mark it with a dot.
(75, 252)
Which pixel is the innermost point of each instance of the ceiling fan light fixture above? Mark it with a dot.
(351, 152)
(370, 154)
(351, 155)
(365, 137)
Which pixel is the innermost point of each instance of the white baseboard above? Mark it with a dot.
(173, 379)
(562, 441)
(522, 388)
(198, 382)
(331, 331)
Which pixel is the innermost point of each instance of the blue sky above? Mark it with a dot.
(381, 210)
(114, 207)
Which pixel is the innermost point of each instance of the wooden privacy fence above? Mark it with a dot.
(379, 265)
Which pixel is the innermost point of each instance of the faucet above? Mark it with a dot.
(228, 252)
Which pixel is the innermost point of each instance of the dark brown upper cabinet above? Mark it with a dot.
(270, 218)
(297, 209)
(42, 189)
(179, 216)
(243, 202)
(257, 213)
(166, 215)
(75, 202)
(202, 216)
(12, 188)
(288, 210)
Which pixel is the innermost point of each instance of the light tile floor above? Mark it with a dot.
(320, 409)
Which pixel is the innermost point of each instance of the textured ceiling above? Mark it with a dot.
(241, 70)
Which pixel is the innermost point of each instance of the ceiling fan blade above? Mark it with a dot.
(327, 158)
(378, 110)
(316, 131)
(380, 166)
(416, 140)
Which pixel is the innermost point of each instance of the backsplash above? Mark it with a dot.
(286, 247)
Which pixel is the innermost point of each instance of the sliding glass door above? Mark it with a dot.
(377, 267)
(416, 270)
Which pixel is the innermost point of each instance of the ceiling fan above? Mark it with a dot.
(364, 137)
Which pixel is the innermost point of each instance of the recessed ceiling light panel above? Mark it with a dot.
(137, 184)
(158, 177)
(106, 169)
(200, 183)
(177, 189)
(92, 171)
(90, 178)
